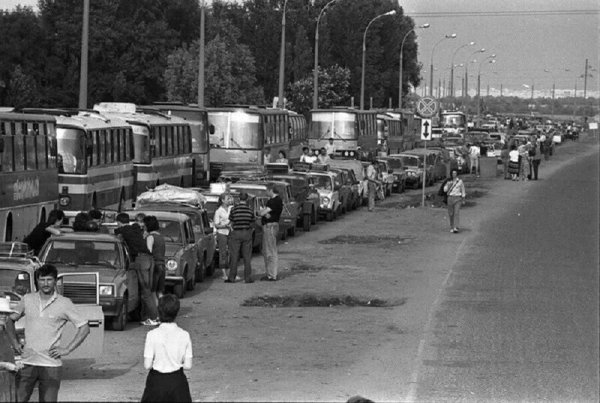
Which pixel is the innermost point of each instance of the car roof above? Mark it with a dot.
(86, 236)
(161, 215)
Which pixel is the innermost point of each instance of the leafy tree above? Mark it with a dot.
(229, 72)
(22, 91)
(334, 82)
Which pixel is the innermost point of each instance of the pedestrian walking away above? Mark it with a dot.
(270, 221)
(240, 239)
(455, 188)
(143, 263)
(167, 352)
(523, 150)
(8, 364)
(536, 159)
(222, 226)
(46, 312)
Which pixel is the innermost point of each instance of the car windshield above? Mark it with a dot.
(411, 161)
(82, 252)
(323, 182)
(170, 230)
(14, 282)
(395, 163)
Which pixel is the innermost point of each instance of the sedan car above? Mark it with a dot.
(397, 170)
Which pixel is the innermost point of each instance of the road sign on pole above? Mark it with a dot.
(427, 107)
(426, 129)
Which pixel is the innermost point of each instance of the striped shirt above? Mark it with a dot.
(241, 217)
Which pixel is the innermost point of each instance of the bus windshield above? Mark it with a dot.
(454, 120)
(235, 130)
(71, 151)
(339, 125)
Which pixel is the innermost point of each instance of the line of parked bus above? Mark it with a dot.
(103, 158)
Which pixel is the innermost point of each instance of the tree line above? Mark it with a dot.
(147, 50)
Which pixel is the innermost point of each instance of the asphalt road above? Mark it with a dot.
(518, 319)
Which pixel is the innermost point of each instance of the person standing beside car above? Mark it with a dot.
(142, 262)
(222, 227)
(40, 234)
(155, 243)
(372, 183)
(240, 239)
(46, 312)
(270, 221)
(536, 159)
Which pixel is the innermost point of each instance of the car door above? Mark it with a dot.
(190, 248)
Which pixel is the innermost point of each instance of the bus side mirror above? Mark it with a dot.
(211, 129)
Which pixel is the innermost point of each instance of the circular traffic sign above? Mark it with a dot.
(427, 107)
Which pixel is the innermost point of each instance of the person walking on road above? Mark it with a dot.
(270, 220)
(155, 243)
(143, 262)
(223, 225)
(536, 159)
(46, 312)
(455, 189)
(167, 352)
(240, 239)
(474, 153)
(372, 183)
(523, 161)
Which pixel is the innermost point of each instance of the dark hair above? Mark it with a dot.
(243, 196)
(123, 218)
(454, 170)
(80, 221)
(275, 190)
(222, 197)
(305, 149)
(46, 270)
(139, 216)
(95, 214)
(168, 308)
(151, 223)
(54, 216)
(282, 153)
(513, 147)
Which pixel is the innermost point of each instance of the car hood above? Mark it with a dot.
(171, 249)
(106, 274)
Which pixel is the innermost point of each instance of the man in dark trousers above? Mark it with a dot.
(241, 218)
(270, 220)
(133, 235)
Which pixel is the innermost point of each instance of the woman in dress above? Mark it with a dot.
(167, 352)
(455, 189)
(513, 162)
(8, 366)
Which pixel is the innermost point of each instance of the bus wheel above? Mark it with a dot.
(306, 222)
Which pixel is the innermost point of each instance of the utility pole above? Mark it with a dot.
(83, 73)
(585, 76)
(201, 59)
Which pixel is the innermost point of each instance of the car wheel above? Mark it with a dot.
(179, 289)
(199, 273)
(306, 221)
(329, 216)
(119, 321)
(191, 283)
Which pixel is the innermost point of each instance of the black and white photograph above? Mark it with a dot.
(353, 201)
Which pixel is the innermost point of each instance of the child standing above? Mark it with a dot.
(168, 351)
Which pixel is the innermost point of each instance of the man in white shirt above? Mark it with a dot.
(474, 153)
(372, 184)
(222, 227)
(330, 148)
(308, 156)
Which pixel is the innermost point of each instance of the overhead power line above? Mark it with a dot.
(542, 13)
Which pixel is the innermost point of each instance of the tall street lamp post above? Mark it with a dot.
(280, 103)
(316, 68)
(452, 66)
(451, 36)
(466, 93)
(201, 57)
(364, 57)
(553, 88)
(479, 87)
(83, 72)
(400, 80)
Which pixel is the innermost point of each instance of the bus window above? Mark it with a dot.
(143, 149)
(71, 151)
(102, 147)
(30, 150)
(8, 154)
(19, 151)
(109, 151)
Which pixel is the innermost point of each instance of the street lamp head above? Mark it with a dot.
(393, 12)
(424, 26)
(481, 50)
(452, 36)
(471, 43)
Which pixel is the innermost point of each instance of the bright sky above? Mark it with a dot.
(527, 36)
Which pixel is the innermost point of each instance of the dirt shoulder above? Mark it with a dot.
(394, 262)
